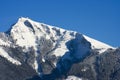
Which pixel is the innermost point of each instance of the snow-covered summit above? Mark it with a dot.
(25, 32)
(49, 41)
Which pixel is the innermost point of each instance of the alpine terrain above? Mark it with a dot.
(31, 50)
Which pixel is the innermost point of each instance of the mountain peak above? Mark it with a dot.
(24, 22)
(21, 23)
(22, 19)
(25, 31)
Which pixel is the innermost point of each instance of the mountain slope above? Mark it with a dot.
(49, 50)
(98, 45)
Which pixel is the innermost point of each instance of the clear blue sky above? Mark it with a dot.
(99, 19)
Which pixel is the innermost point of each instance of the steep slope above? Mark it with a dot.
(49, 50)
(100, 46)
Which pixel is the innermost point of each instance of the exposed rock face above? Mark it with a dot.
(98, 67)
(8, 71)
(36, 51)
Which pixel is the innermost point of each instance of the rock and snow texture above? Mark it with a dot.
(48, 42)
(6, 55)
(27, 33)
(95, 44)
(4, 40)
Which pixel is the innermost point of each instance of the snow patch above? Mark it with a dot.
(35, 65)
(5, 54)
(73, 78)
(4, 43)
(95, 44)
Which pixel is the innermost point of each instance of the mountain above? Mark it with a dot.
(31, 50)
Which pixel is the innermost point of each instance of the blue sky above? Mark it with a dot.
(99, 19)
